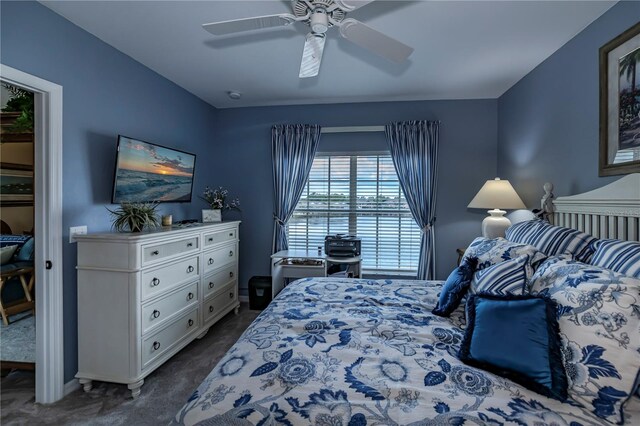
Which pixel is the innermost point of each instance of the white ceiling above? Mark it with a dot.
(463, 49)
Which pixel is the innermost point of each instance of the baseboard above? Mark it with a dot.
(243, 299)
(71, 386)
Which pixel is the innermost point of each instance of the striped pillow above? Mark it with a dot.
(552, 240)
(618, 256)
(501, 279)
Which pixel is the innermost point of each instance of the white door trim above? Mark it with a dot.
(48, 228)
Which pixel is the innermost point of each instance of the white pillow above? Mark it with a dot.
(6, 253)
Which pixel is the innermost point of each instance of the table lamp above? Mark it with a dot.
(496, 194)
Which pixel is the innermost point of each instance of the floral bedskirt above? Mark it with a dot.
(361, 352)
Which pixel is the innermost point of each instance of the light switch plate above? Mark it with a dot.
(76, 230)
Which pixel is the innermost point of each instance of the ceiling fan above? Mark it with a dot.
(320, 15)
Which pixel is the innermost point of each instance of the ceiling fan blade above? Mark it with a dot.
(312, 55)
(378, 43)
(350, 5)
(249, 24)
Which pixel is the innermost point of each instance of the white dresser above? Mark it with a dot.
(143, 297)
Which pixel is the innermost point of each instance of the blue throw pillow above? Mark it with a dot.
(455, 287)
(502, 279)
(619, 256)
(26, 251)
(516, 337)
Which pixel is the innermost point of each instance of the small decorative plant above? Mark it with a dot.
(21, 101)
(134, 216)
(217, 199)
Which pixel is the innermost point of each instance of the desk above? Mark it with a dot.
(306, 263)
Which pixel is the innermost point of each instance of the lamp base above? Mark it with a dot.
(494, 226)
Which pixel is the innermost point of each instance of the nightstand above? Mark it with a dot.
(460, 252)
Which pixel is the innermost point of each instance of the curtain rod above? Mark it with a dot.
(352, 129)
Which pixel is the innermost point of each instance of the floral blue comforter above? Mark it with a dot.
(360, 352)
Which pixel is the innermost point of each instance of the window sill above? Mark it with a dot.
(387, 274)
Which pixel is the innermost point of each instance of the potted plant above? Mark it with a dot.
(134, 216)
(17, 115)
(217, 201)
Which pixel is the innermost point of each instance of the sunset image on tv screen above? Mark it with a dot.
(147, 172)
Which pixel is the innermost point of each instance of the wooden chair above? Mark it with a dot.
(27, 286)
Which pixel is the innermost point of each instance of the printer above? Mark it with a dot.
(342, 245)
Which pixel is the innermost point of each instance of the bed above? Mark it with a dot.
(333, 351)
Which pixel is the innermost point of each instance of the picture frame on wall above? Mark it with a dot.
(620, 104)
(16, 185)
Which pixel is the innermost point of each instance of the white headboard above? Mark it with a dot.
(612, 211)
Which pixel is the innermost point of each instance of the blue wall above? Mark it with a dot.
(548, 122)
(467, 158)
(105, 93)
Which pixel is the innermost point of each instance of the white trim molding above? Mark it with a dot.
(48, 225)
(352, 129)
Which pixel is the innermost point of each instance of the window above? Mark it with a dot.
(357, 195)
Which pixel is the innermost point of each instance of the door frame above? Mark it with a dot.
(48, 228)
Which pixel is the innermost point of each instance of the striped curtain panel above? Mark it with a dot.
(293, 147)
(414, 150)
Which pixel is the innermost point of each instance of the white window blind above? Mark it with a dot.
(358, 195)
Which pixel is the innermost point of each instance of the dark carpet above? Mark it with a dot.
(164, 391)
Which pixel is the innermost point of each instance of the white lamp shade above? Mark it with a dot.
(496, 194)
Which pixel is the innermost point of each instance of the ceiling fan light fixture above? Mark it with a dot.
(319, 21)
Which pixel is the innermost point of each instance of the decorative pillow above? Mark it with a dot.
(455, 287)
(517, 338)
(10, 239)
(6, 253)
(552, 240)
(26, 251)
(501, 279)
(599, 319)
(491, 251)
(619, 256)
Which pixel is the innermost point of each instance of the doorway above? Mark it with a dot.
(17, 238)
(47, 226)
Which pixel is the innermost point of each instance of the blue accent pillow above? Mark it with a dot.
(619, 256)
(552, 240)
(501, 279)
(455, 287)
(516, 337)
(26, 251)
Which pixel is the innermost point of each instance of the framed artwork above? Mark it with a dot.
(620, 104)
(16, 185)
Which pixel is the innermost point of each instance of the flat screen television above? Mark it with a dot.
(147, 172)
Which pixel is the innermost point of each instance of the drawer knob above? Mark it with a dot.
(230, 253)
(231, 295)
(155, 282)
(190, 269)
(211, 285)
(156, 313)
(210, 239)
(155, 253)
(190, 322)
(156, 345)
(210, 262)
(231, 234)
(189, 244)
(190, 296)
(231, 274)
(210, 308)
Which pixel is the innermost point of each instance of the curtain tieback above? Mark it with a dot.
(428, 226)
(278, 220)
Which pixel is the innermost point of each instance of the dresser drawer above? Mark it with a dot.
(215, 282)
(159, 311)
(163, 278)
(158, 343)
(216, 304)
(220, 237)
(156, 252)
(219, 257)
